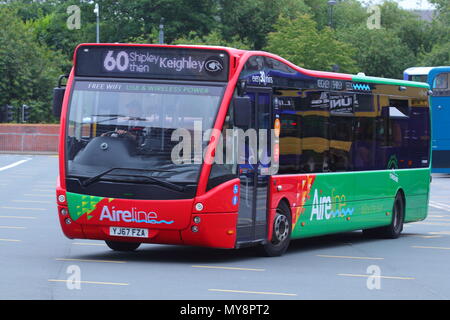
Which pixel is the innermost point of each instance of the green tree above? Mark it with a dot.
(413, 32)
(439, 56)
(380, 53)
(29, 71)
(214, 39)
(123, 20)
(299, 41)
(252, 20)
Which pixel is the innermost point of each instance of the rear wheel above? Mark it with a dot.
(281, 235)
(122, 246)
(393, 230)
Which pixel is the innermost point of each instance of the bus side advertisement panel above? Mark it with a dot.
(339, 202)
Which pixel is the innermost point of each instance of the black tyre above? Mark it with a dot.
(281, 236)
(122, 246)
(393, 230)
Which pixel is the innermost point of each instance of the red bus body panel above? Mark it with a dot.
(218, 224)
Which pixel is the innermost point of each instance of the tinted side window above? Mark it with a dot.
(364, 144)
(341, 130)
(364, 126)
(304, 137)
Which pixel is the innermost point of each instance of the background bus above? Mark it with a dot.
(346, 152)
(439, 80)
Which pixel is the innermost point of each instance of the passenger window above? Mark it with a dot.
(304, 137)
(441, 82)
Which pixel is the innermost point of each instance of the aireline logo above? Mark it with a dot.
(134, 215)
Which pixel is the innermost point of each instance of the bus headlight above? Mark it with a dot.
(199, 206)
(62, 198)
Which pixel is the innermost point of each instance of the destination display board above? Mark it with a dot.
(152, 63)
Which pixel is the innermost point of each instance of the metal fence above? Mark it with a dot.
(29, 138)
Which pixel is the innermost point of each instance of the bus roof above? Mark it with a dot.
(421, 71)
(395, 82)
(238, 53)
(418, 71)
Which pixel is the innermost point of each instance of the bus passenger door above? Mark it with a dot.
(440, 108)
(252, 219)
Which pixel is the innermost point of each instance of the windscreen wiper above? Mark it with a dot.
(116, 116)
(167, 184)
(109, 117)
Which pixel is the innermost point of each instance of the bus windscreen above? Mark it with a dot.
(123, 130)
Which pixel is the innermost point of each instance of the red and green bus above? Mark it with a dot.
(344, 152)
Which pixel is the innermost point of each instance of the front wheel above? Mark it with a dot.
(122, 246)
(281, 235)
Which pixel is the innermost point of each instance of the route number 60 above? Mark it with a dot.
(121, 61)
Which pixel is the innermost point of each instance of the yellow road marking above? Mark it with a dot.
(32, 201)
(89, 244)
(422, 236)
(91, 282)
(440, 232)
(433, 224)
(10, 240)
(348, 257)
(254, 292)
(90, 260)
(17, 217)
(18, 208)
(229, 268)
(369, 275)
(11, 227)
(430, 237)
(425, 247)
(43, 195)
(18, 175)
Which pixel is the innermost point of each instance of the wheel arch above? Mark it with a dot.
(401, 192)
(272, 213)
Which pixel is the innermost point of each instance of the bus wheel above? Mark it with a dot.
(393, 230)
(122, 246)
(281, 235)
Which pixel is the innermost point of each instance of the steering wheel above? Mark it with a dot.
(115, 134)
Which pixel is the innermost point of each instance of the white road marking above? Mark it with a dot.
(425, 247)
(366, 276)
(254, 292)
(229, 268)
(15, 164)
(348, 257)
(90, 260)
(92, 282)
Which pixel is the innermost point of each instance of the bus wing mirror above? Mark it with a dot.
(58, 97)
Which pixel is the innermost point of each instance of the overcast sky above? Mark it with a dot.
(407, 4)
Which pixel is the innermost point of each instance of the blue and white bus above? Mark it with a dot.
(439, 80)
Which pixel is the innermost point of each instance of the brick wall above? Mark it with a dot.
(33, 138)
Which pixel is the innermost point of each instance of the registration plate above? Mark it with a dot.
(128, 232)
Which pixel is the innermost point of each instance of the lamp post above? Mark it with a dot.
(161, 31)
(331, 4)
(97, 12)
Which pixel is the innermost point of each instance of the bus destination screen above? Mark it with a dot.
(152, 63)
